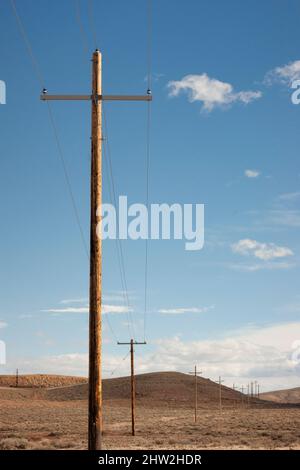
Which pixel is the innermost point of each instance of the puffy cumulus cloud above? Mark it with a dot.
(284, 73)
(262, 251)
(210, 92)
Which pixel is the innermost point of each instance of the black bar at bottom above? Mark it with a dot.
(131, 459)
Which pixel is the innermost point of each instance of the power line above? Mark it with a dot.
(60, 152)
(117, 249)
(28, 45)
(40, 78)
(118, 242)
(148, 127)
(57, 139)
(149, 43)
(81, 28)
(92, 22)
(118, 366)
(111, 183)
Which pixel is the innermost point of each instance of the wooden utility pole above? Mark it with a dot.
(220, 393)
(132, 343)
(95, 331)
(234, 387)
(17, 377)
(242, 390)
(195, 373)
(95, 328)
(255, 388)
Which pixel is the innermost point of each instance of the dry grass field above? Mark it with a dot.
(56, 417)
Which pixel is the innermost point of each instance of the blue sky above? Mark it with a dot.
(211, 142)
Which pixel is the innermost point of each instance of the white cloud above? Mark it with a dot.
(74, 301)
(3, 324)
(252, 173)
(182, 310)
(210, 92)
(105, 309)
(290, 196)
(270, 266)
(284, 74)
(289, 218)
(263, 251)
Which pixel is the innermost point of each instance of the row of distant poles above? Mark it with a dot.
(247, 393)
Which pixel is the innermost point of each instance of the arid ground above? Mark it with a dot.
(40, 416)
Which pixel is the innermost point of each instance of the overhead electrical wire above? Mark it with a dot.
(119, 365)
(111, 182)
(92, 22)
(148, 128)
(81, 28)
(40, 78)
(112, 198)
(118, 241)
(108, 152)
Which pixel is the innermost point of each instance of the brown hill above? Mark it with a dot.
(291, 395)
(161, 388)
(40, 380)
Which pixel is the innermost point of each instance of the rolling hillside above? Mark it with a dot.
(291, 395)
(159, 388)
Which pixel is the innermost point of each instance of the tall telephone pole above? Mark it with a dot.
(95, 331)
(195, 373)
(95, 327)
(132, 343)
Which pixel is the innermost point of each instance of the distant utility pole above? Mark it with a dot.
(248, 394)
(195, 373)
(242, 390)
(234, 400)
(220, 393)
(258, 391)
(95, 302)
(17, 377)
(132, 343)
(255, 388)
(251, 389)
